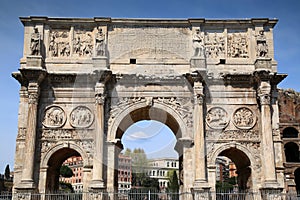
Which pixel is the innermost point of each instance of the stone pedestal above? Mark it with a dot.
(263, 64)
(100, 62)
(34, 62)
(198, 63)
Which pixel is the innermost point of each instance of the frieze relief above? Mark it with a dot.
(81, 117)
(83, 43)
(215, 45)
(66, 134)
(54, 117)
(237, 45)
(59, 43)
(248, 135)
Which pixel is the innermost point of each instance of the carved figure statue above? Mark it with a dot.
(35, 42)
(262, 47)
(53, 48)
(100, 45)
(77, 45)
(198, 44)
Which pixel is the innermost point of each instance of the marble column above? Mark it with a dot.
(97, 182)
(30, 140)
(264, 94)
(199, 140)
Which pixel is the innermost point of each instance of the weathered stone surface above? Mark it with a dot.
(213, 82)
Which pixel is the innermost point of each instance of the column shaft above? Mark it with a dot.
(28, 167)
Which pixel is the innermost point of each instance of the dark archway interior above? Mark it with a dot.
(54, 164)
(243, 164)
(297, 179)
(149, 113)
(290, 132)
(291, 151)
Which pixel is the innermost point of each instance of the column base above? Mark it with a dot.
(26, 185)
(201, 185)
(97, 185)
(270, 185)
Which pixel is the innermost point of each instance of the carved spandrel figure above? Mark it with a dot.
(198, 44)
(262, 47)
(100, 44)
(35, 42)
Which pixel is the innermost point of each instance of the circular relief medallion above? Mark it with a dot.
(244, 118)
(81, 117)
(217, 118)
(54, 117)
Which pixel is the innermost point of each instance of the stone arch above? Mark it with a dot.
(129, 116)
(297, 179)
(290, 132)
(244, 161)
(60, 146)
(52, 161)
(291, 151)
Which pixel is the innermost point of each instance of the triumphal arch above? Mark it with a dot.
(85, 81)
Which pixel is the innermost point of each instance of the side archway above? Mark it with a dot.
(244, 161)
(52, 162)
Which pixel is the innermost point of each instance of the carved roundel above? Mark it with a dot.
(217, 118)
(244, 118)
(54, 117)
(81, 117)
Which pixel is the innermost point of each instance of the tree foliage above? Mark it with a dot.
(173, 182)
(7, 172)
(66, 171)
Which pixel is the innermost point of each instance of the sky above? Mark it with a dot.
(286, 39)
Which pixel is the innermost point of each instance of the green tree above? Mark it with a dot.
(7, 172)
(173, 181)
(127, 152)
(66, 171)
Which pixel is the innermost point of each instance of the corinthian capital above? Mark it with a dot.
(99, 93)
(264, 93)
(198, 93)
(33, 93)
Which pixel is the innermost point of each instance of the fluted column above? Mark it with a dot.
(97, 182)
(30, 140)
(199, 140)
(264, 94)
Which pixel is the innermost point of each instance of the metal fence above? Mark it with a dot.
(152, 196)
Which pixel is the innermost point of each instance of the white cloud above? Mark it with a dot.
(137, 136)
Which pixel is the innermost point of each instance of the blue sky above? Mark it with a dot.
(286, 37)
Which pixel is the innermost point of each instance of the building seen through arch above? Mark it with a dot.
(85, 81)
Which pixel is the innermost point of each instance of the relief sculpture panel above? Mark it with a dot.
(217, 118)
(215, 45)
(244, 118)
(59, 45)
(54, 117)
(237, 45)
(81, 117)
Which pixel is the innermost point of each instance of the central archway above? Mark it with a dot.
(138, 112)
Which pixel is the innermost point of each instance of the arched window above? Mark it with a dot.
(291, 151)
(290, 132)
